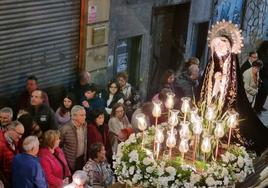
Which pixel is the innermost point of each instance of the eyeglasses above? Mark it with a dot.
(20, 134)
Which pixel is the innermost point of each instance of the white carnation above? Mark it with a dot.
(240, 162)
(210, 181)
(171, 170)
(241, 176)
(134, 156)
(149, 169)
(146, 161)
(194, 178)
(131, 170)
(160, 171)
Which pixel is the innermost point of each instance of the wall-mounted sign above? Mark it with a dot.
(98, 35)
(92, 14)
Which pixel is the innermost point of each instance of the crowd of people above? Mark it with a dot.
(73, 146)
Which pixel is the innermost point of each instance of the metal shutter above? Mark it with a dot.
(39, 37)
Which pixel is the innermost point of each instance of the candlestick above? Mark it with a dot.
(210, 115)
(173, 120)
(197, 130)
(142, 125)
(206, 146)
(171, 141)
(185, 132)
(219, 132)
(170, 100)
(185, 107)
(231, 123)
(156, 110)
(183, 147)
(194, 114)
(159, 138)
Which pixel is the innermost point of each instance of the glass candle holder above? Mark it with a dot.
(170, 100)
(185, 131)
(185, 107)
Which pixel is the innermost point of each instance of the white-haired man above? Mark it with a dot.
(79, 180)
(6, 115)
(26, 169)
(74, 138)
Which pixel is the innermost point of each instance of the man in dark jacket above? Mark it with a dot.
(41, 113)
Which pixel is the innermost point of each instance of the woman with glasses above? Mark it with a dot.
(53, 161)
(112, 95)
(98, 171)
(117, 122)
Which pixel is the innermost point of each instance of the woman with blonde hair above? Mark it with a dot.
(53, 161)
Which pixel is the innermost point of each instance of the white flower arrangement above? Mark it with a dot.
(135, 165)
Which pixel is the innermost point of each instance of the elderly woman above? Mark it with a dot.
(53, 160)
(97, 169)
(117, 122)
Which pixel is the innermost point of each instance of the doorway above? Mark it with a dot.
(127, 58)
(169, 36)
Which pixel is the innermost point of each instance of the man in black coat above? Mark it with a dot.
(41, 113)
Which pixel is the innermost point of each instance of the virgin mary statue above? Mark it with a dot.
(222, 83)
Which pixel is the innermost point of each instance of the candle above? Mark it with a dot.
(185, 107)
(210, 115)
(142, 125)
(170, 100)
(173, 120)
(206, 146)
(183, 147)
(185, 132)
(156, 110)
(197, 126)
(231, 123)
(171, 140)
(197, 130)
(159, 138)
(218, 132)
(194, 114)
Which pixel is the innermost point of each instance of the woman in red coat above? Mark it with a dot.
(53, 161)
(98, 132)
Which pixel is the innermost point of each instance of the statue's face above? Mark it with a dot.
(221, 46)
